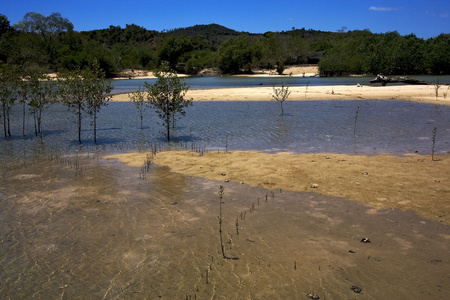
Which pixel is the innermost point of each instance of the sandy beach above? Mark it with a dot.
(419, 93)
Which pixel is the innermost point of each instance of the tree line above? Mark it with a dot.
(51, 43)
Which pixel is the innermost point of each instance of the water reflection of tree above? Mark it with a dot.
(283, 130)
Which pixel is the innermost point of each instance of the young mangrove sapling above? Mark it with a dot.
(434, 142)
(221, 192)
(281, 94)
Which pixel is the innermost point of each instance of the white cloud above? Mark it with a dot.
(378, 8)
(444, 15)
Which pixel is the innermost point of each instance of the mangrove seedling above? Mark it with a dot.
(437, 86)
(281, 94)
(356, 119)
(445, 93)
(306, 90)
(221, 192)
(434, 142)
(226, 144)
(138, 97)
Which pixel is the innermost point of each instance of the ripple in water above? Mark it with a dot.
(395, 127)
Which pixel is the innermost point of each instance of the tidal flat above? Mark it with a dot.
(78, 225)
(97, 229)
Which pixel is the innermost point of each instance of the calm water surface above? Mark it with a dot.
(395, 127)
(127, 85)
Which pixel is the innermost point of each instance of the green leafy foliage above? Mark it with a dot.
(50, 42)
(46, 31)
(39, 91)
(166, 96)
(138, 98)
(84, 91)
(237, 54)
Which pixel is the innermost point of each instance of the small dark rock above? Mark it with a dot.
(351, 251)
(312, 296)
(174, 203)
(356, 289)
(365, 240)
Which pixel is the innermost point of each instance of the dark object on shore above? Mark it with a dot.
(404, 79)
(356, 289)
(312, 296)
(365, 240)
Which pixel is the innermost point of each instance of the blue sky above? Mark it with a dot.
(423, 18)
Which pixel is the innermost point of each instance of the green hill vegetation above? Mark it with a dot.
(50, 42)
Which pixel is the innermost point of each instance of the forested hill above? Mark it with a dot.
(205, 30)
(54, 45)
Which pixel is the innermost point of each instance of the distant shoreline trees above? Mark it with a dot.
(51, 43)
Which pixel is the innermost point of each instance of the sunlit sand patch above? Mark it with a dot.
(404, 182)
(419, 93)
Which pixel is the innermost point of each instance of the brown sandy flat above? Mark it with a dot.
(412, 182)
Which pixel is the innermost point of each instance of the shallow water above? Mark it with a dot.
(96, 230)
(395, 127)
(76, 226)
(127, 85)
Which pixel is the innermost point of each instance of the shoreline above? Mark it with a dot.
(308, 70)
(417, 93)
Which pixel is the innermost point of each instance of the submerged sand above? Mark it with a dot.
(412, 182)
(105, 232)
